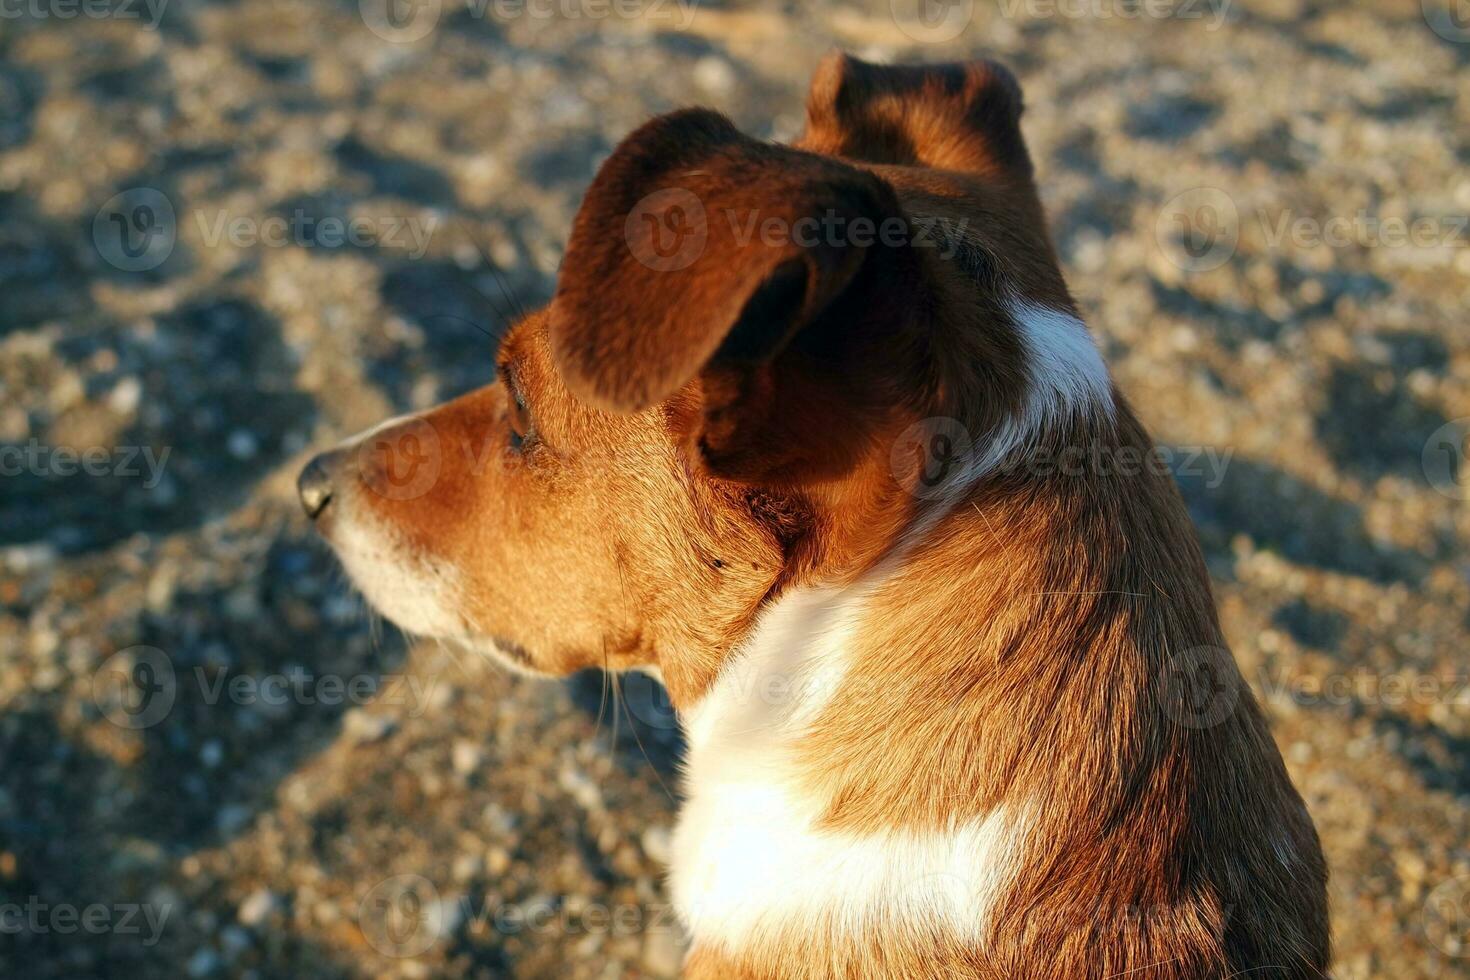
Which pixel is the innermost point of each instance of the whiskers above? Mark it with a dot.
(609, 687)
(507, 305)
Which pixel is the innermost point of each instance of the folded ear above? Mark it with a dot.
(961, 116)
(702, 253)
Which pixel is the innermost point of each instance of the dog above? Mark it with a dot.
(815, 433)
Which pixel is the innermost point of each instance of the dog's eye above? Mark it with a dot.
(520, 419)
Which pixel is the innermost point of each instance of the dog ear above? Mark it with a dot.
(700, 253)
(960, 116)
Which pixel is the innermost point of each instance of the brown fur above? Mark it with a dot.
(710, 436)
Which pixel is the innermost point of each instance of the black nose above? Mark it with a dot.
(315, 485)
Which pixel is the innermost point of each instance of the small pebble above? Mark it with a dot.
(257, 907)
(363, 727)
(243, 444)
(466, 757)
(203, 963)
(125, 396)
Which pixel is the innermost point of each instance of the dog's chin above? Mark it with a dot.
(421, 598)
(418, 596)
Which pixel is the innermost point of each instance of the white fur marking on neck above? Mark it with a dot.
(750, 860)
(1066, 373)
(1066, 380)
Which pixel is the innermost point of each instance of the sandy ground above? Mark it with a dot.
(275, 789)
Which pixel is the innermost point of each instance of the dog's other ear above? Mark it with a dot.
(962, 116)
(700, 253)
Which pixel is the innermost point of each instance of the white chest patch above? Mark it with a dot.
(749, 860)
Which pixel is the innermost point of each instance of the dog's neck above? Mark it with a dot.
(920, 754)
(770, 835)
(750, 851)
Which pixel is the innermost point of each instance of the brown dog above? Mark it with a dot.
(816, 433)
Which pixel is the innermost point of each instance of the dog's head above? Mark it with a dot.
(734, 387)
